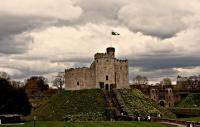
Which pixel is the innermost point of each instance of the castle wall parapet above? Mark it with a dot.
(76, 69)
(122, 61)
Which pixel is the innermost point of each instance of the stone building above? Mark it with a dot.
(163, 94)
(105, 72)
(167, 95)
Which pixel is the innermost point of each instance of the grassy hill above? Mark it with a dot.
(140, 104)
(72, 106)
(191, 101)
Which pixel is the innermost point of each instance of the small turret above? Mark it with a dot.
(110, 51)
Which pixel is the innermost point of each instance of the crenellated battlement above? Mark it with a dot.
(76, 69)
(100, 55)
(122, 61)
(110, 53)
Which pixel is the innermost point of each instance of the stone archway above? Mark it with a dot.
(162, 103)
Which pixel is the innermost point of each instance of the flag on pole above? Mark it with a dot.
(114, 33)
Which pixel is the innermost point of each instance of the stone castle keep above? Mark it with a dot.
(105, 72)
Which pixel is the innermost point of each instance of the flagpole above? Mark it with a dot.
(113, 33)
(111, 41)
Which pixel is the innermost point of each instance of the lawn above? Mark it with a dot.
(196, 119)
(91, 124)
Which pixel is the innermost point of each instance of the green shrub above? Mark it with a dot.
(191, 101)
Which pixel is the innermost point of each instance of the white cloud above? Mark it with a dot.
(188, 71)
(158, 17)
(65, 43)
(25, 68)
(85, 40)
(187, 42)
(62, 9)
(155, 29)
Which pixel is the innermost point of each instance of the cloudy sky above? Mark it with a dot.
(160, 38)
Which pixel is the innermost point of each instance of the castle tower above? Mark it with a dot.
(105, 68)
(106, 72)
(111, 51)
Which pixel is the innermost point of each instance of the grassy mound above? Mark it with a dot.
(140, 104)
(191, 101)
(80, 105)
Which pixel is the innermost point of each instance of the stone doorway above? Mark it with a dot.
(162, 103)
(101, 85)
(107, 87)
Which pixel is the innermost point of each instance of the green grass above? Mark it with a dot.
(196, 119)
(138, 103)
(92, 124)
(185, 111)
(191, 101)
(189, 105)
(73, 106)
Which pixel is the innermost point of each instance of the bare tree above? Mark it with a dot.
(166, 81)
(36, 86)
(4, 75)
(140, 80)
(145, 80)
(17, 84)
(59, 81)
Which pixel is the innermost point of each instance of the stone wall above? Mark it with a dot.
(169, 97)
(79, 78)
(121, 72)
(154, 94)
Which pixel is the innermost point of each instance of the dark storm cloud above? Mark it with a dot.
(158, 67)
(155, 33)
(76, 60)
(11, 24)
(10, 46)
(97, 12)
(10, 29)
(149, 64)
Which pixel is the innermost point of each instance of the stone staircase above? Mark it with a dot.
(120, 102)
(115, 101)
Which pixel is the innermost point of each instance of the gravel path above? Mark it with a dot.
(178, 125)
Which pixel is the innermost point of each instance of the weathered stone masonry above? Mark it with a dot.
(105, 72)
